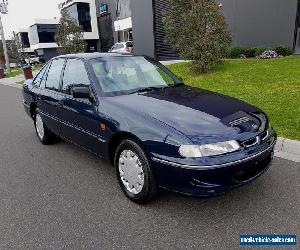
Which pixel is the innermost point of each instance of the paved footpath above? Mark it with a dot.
(13, 81)
(61, 197)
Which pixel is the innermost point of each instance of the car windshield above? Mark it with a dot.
(120, 75)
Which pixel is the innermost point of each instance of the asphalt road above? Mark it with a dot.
(60, 197)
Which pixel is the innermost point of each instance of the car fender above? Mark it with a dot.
(157, 137)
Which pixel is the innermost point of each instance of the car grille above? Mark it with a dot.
(256, 140)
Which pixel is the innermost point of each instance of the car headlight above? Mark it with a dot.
(212, 149)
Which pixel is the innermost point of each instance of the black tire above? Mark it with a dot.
(149, 190)
(48, 137)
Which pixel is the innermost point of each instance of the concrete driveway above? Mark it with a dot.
(60, 197)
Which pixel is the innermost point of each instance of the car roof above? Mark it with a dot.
(88, 56)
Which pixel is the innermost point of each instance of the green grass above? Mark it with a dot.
(272, 85)
(19, 71)
(37, 67)
(13, 73)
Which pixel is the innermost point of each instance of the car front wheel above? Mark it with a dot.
(134, 172)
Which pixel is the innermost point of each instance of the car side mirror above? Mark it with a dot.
(81, 92)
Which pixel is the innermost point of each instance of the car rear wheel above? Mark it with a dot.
(44, 134)
(134, 172)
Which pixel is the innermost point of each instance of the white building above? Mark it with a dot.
(84, 11)
(42, 38)
(23, 38)
(115, 22)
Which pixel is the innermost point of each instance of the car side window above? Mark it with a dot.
(75, 75)
(44, 78)
(40, 76)
(54, 74)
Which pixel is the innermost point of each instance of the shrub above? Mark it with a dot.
(260, 50)
(234, 52)
(199, 34)
(283, 51)
(249, 52)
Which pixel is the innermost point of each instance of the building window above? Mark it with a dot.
(84, 16)
(25, 40)
(46, 37)
(123, 9)
(130, 36)
(72, 10)
(46, 33)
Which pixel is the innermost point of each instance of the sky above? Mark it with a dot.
(22, 12)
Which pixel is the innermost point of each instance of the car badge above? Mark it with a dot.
(254, 126)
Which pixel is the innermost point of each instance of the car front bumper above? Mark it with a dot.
(214, 179)
(27, 108)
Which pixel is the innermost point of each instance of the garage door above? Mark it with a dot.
(162, 50)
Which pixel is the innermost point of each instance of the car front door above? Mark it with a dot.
(48, 98)
(80, 120)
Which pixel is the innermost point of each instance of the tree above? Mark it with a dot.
(198, 31)
(69, 35)
(15, 49)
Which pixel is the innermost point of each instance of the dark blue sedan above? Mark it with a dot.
(156, 131)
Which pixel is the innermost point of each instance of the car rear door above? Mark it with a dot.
(48, 98)
(79, 117)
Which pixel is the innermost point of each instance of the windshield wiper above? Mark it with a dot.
(176, 84)
(146, 89)
(155, 88)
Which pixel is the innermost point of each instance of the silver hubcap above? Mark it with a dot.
(39, 126)
(131, 171)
